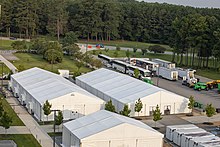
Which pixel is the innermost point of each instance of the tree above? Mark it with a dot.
(118, 48)
(1, 109)
(97, 63)
(78, 65)
(134, 49)
(157, 49)
(70, 38)
(126, 111)
(19, 45)
(136, 73)
(138, 106)
(127, 53)
(210, 111)
(47, 108)
(144, 51)
(53, 56)
(156, 115)
(191, 104)
(59, 118)
(109, 106)
(6, 121)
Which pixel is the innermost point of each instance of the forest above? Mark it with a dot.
(193, 33)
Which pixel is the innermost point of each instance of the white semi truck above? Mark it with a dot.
(167, 73)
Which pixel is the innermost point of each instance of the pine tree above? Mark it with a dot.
(47, 108)
(138, 106)
(157, 115)
(210, 111)
(126, 111)
(191, 104)
(109, 106)
(6, 121)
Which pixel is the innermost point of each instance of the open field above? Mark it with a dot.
(15, 119)
(123, 43)
(202, 72)
(5, 44)
(33, 60)
(22, 140)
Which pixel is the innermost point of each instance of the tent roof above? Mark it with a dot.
(44, 85)
(101, 121)
(118, 86)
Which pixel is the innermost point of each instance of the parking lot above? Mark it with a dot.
(203, 96)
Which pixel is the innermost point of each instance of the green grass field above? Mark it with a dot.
(22, 140)
(33, 60)
(130, 44)
(202, 72)
(5, 44)
(15, 119)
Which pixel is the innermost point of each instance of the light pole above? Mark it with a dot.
(54, 126)
(158, 74)
(2, 77)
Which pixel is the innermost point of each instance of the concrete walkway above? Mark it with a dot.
(15, 130)
(8, 64)
(34, 128)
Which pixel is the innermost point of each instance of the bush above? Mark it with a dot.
(19, 45)
(157, 49)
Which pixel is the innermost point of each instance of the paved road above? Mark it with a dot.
(203, 96)
(35, 129)
(8, 64)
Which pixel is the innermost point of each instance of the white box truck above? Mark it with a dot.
(199, 140)
(187, 137)
(185, 73)
(171, 129)
(179, 133)
(170, 74)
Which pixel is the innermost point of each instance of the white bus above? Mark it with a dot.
(144, 73)
(106, 60)
(120, 66)
(145, 63)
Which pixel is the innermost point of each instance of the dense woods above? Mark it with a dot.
(193, 32)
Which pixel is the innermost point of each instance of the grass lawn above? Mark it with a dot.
(122, 43)
(5, 44)
(202, 72)
(22, 140)
(33, 60)
(15, 119)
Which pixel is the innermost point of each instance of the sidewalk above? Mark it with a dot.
(15, 130)
(35, 129)
(8, 64)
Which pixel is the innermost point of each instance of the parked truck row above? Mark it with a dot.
(190, 135)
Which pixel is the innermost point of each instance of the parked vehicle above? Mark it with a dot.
(201, 86)
(170, 74)
(219, 88)
(148, 81)
(164, 63)
(106, 60)
(189, 80)
(120, 66)
(144, 73)
(213, 84)
(99, 45)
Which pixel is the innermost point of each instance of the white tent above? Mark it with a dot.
(107, 129)
(123, 89)
(34, 86)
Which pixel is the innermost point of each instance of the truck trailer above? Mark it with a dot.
(167, 73)
(171, 129)
(199, 140)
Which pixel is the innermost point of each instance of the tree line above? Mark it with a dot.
(193, 32)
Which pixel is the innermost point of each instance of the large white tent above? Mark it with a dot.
(123, 89)
(107, 129)
(34, 86)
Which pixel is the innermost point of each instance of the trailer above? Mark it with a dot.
(179, 133)
(185, 73)
(164, 63)
(171, 129)
(187, 137)
(199, 140)
(210, 144)
(167, 73)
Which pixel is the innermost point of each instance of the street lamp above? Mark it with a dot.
(158, 74)
(54, 125)
(2, 76)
